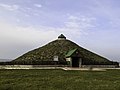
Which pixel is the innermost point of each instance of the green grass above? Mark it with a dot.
(59, 80)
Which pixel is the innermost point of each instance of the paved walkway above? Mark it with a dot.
(85, 69)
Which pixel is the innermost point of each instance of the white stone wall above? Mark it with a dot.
(68, 59)
(31, 66)
(50, 66)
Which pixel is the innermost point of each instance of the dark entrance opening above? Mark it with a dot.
(75, 61)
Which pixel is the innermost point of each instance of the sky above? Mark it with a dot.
(29, 24)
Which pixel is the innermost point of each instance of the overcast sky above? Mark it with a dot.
(29, 24)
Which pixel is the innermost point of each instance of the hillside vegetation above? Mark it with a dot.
(60, 48)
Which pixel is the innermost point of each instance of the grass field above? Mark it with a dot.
(59, 80)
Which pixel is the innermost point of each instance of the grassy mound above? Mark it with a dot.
(60, 48)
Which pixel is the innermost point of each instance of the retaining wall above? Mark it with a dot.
(51, 66)
(31, 66)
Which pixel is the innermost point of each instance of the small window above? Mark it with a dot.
(55, 58)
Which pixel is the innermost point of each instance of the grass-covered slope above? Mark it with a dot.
(59, 48)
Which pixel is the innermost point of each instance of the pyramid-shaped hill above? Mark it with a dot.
(59, 49)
